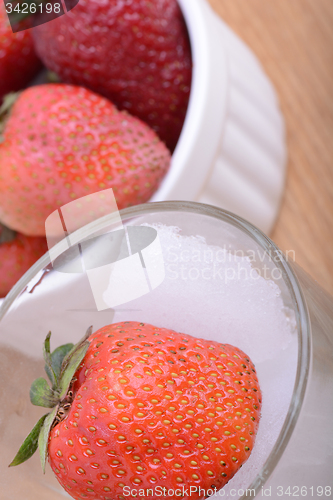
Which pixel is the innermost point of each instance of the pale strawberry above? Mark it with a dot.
(62, 142)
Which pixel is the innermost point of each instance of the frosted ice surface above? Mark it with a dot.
(210, 293)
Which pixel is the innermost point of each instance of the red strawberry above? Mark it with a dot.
(18, 60)
(136, 53)
(17, 255)
(63, 142)
(150, 407)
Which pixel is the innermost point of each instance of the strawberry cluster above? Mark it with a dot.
(112, 122)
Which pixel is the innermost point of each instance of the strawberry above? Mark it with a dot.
(149, 407)
(18, 60)
(17, 254)
(136, 53)
(62, 142)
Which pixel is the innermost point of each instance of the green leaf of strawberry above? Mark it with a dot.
(48, 360)
(43, 437)
(42, 395)
(71, 363)
(18, 61)
(60, 367)
(73, 351)
(57, 358)
(30, 444)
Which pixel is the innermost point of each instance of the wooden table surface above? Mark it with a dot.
(294, 41)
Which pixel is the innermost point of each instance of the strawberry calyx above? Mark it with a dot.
(5, 109)
(6, 234)
(60, 367)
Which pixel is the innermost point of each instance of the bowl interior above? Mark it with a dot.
(222, 280)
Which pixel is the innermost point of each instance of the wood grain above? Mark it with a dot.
(294, 41)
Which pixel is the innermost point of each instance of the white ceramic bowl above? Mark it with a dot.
(231, 152)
